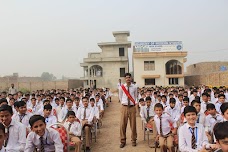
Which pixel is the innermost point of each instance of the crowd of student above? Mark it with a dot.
(27, 119)
(195, 119)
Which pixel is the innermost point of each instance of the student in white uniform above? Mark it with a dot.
(49, 118)
(74, 128)
(192, 137)
(22, 115)
(42, 137)
(172, 110)
(211, 119)
(221, 100)
(63, 113)
(16, 131)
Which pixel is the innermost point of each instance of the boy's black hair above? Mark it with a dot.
(62, 98)
(141, 99)
(170, 94)
(6, 108)
(188, 109)
(21, 104)
(77, 99)
(36, 118)
(3, 100)
(224, 107)
(205, 94)
(148, 98)
(16, 104)
(92, 99)
(180, 95)
(56, 99)
(210, 106)
(163, 96)
(221, 95)
(220, 130)
(194, 90)
(195, 101)
(127, 74)
(197, 98)
(33, 98)
(48, 107)
(158, 105)
(84, 98)
(70, 113)
(2, 128)
(46, 101)
(186, 99)
(172, 100)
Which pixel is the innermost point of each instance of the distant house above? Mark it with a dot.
(105, 68)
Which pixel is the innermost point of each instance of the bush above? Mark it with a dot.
(24, 90)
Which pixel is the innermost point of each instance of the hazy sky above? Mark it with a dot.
(55, 35)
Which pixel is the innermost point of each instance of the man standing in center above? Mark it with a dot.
(127, 96)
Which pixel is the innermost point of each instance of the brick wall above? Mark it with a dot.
(205, 68)
(212, 79)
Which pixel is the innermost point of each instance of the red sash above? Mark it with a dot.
(128, 94)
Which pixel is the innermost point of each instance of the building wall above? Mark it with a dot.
(110, 61)
(113, 51)
(207, 73)
(205, 67)
(110, 74)
(159, 70)
(212, 79)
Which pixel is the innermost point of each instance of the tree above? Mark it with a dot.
(46, 76)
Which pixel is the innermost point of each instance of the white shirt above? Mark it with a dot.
(58, 109)
(185, 137)
(95, 111)
(201, 118)
(3, 149)
(119, 85)
(75, 128)
(123, 97)
(89, 114)
(51, 140)
(12, 90)
(100, 104)
(174, 112)
(166, 120)
(143, 112)
(191, 98)
(165, 104)
(33, 109)
(210, 121)
(217, 106)
(204, 106)
(63, 114)
(50, 120)
(25, 118)
(17, 137)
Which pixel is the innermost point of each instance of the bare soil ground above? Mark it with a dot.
(108, 139)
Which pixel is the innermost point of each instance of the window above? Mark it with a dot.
(121, 51)
(122, 72)
(87, 82)
(149, 66)
(149, 81)
(173, 81)
(173, 67)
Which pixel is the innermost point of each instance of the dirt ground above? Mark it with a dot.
(108, 138)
